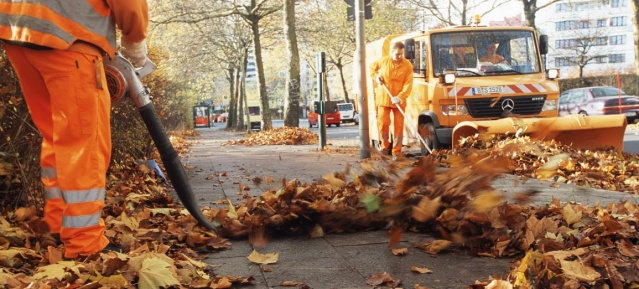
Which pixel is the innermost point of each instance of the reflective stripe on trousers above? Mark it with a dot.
(72, 114)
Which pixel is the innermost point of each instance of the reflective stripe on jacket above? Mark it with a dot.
(59, 23)
(398, 79)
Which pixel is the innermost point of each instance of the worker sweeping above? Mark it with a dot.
(396, 73)
(56, 48)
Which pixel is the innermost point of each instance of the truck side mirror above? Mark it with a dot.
(409, 48)
(543, 44)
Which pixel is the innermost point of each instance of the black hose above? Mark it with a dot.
(172, 163)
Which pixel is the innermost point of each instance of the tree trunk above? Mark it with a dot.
(529, 11)
(240, 103)
(635, 9)
(243, 90)
(264, 106)
(292, 118)
(230, 121)
(581, 71)
(340, 68)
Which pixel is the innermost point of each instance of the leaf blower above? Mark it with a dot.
(124, 80)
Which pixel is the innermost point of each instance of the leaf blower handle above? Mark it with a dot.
(413, 129)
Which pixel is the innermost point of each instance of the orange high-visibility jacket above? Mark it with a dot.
(398, 79)
(60, 23)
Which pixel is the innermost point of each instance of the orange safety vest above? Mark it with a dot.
(398, 79)
(58, 24)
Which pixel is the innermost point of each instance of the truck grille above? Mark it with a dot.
(523, 105)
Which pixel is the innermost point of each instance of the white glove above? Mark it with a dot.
(135, 51)
(379, 80)
(396, 100)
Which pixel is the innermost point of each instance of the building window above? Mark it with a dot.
(618, 3)
(618, 21)
(600, 59)
(583, 24)
(617, 58)
(563, 7)
(617, 39)
(601, 23)
(601, 41)
(565, 25)
(564, 61)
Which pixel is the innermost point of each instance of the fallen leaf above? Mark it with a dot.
(259, 258)
(379, 279)
(25, 213)
(578, 270)
(438, 246)
(426, 210)
(400, 251)
(499, 284)
(156, 273)
(289, 283)
(420, 270)
(570, 215)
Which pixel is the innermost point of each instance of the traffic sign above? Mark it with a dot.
(350, 10)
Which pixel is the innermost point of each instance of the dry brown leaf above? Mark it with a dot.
(570, 215)
(437, 246)
(259, 258)
(420, 270)
(426, 210)
(580, 271)
(289, 283)
(499, 284)
(25, 214)
(381, 278)
(400, 251)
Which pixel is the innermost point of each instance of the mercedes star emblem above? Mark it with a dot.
(507, 104)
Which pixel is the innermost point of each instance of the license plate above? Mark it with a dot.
(329, 118)
(488, 89)
(630, 113)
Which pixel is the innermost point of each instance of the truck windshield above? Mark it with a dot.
(480, 53)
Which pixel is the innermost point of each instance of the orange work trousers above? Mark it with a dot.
(383, 124)
(63, 91)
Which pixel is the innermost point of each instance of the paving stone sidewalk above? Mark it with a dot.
(342, 260)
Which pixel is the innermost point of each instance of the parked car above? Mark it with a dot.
(599, 100)
(347, 112)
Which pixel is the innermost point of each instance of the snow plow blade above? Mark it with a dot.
(578, 131)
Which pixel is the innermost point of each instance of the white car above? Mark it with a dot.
(347, 112)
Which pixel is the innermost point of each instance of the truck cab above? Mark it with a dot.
(469, 73)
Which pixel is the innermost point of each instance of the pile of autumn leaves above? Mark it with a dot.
(602, 169)
(561, 245)
(279, 136)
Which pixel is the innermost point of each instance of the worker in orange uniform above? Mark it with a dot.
(56, 48)
(396, 73)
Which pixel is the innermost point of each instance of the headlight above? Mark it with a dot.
(449, 78)
(452, 110)
(549, 105)
(553, 73)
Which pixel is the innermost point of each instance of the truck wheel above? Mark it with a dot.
(310, 125)
(428, 133)
(337, 125)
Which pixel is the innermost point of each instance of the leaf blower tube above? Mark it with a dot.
(123, 79)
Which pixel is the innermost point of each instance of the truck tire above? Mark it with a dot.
(427, 131)
(337, 125)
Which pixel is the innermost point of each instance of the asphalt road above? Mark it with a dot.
(350, 132)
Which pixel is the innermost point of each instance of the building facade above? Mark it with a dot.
(596, 35)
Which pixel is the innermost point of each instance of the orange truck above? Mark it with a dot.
(459, 90)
